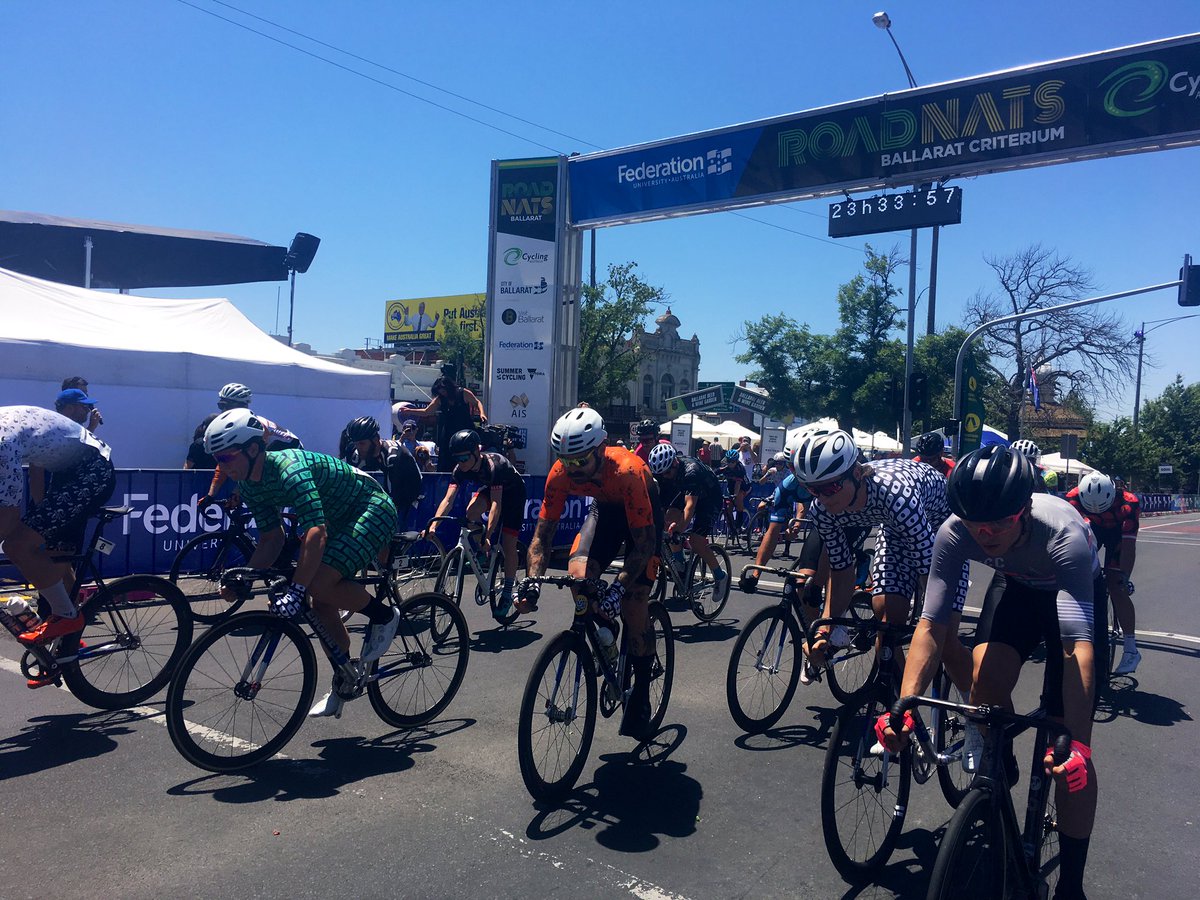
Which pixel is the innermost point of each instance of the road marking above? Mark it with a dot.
(975, 610)
(638, 887)
(1195, 543)
(158, 716)
(1170, 522)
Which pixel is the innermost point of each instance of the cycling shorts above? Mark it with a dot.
(512, 506)
(704, 516)
(783, 511)
(1110, 540)
(605, 531)
(1022, 617)
(349, 552)
(74, 495)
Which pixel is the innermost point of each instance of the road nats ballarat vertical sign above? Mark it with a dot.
(522, 300)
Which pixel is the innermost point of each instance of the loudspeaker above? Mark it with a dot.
(300, 254)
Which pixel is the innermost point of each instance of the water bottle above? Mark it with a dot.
(22, 613)
(608, 643)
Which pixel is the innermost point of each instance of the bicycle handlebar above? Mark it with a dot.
(986, 714)
(460, 521)
(777, 570)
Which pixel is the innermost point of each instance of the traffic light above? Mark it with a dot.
(918, 395)
(896, 396)
(1189, 283)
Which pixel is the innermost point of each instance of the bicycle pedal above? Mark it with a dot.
(34, 683)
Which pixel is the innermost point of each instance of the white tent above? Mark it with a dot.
(879, 441)
(154, 367)
(1056, 462)
(731, 432)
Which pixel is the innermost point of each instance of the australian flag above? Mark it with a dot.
(1033, 389)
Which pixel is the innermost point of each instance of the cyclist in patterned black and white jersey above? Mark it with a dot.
(907, 500)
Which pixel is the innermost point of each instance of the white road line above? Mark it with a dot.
(1193, 543)
(1168, 522)
(975, 610)
(158, 716)
(638, 887)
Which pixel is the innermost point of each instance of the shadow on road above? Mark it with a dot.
(47, 742)
(1124, 699)
(505, 637)
(704, 632)
(634, 798)
(905, 878)
(815, 735)
(343, 761)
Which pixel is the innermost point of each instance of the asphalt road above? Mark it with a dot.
(101, 803)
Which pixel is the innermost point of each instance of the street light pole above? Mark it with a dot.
(1140, 335)
(882, 20)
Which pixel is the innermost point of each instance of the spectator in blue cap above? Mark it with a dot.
(77, 406)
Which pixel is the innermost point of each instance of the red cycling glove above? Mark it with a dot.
(1075, 768)
(885, 720)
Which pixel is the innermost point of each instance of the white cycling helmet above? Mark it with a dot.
(780, 457)
(823, 457)
(1096, 492)
(1027, 449)
(661, 457)
(577, 431)
(235, 393)
(232, 428)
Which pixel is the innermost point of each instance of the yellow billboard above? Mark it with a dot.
(422, 320)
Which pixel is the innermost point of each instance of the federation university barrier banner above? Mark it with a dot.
(165, 517)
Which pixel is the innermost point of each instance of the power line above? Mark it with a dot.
(378, 81)
(419, 81)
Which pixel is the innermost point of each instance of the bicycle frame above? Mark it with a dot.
(1003, 727)
(584, 625)
(467, 557)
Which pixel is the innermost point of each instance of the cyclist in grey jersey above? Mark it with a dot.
(1059, 554)
(1046, 583)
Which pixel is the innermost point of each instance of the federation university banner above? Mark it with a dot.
(1145, 97)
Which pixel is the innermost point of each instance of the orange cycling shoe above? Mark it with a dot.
(53, 627)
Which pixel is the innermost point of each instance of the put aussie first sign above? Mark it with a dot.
(522, 300)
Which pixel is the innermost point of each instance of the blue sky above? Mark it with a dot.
(150, 111)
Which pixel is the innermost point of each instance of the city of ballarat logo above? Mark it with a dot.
(509, 316)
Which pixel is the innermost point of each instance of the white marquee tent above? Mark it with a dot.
(154, 367)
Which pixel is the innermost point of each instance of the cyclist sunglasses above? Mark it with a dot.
(575, 462)
(829, 488)
(224, 459)
(991, 529)
(462, 457)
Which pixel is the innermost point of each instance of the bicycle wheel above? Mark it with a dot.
(662, 670)
(972, 855)
(449, 584)
(851, 666)
(948, 730)
(1048, 849)
(863, 797)
(242, 691)
(496, 585)
(136, 630)
(708, 597)
(197, 570)
(419, 674)
(416, 571)
(764, 669)
(558, 717)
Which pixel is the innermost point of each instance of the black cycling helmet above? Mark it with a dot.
(646, 426)
(364, 428)
(989, 484)
(930, 444)
(465, 441)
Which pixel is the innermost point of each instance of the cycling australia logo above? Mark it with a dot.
(1132, 85)
(677, 169)
(515, 256)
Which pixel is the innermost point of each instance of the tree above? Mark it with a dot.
(1084, 349)
(934, 356)
(609, 311)
(463, 346)
(1112, 448)
(844, 374)
(1172, 421)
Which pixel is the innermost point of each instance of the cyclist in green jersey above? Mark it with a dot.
(345, 521)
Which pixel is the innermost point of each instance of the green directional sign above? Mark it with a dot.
(695, 401)
(744, 398)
